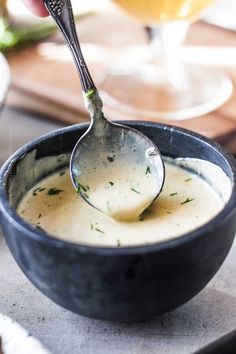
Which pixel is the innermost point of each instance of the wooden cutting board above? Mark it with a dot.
(44, 77)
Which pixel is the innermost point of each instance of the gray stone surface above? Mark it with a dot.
(203, 319)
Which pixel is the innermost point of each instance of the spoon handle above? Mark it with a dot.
(61, 12)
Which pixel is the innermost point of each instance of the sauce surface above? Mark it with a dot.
(122, 193)
(186, 202)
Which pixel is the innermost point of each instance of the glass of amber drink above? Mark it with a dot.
(156, 85)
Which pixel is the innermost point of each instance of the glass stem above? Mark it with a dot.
(166, 39)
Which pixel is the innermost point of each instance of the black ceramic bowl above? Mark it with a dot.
(130, 283)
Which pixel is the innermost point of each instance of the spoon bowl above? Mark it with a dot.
(116, 169)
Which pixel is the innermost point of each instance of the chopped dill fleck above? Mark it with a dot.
(39, 189)
(118, 243)
(172, 194)
(35, 191)
(91, 226)
(134, 190)
(54, 191)
(40, 228)
(90, 93)
(111, 158)
(188, 179)
(148, 170)
(84, 188)
(111, 183)
(187, 200)
(62, 173)
(60, 159)
(141, 217)
(99, 230)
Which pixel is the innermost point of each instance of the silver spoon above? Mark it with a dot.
(114, 168)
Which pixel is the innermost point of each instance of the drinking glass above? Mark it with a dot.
(153, 84)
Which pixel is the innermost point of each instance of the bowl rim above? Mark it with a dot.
(36, 234)
(5, 78)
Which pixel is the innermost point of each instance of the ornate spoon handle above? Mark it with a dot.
(61, 11)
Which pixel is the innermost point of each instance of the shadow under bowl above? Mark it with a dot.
(129, 283)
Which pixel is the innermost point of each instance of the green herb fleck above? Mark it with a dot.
(188, 179)
(187, 200)
(134, 190)
(40, 228)
(54, 191)
(141, 217)
(168, 212)
(91, 226)
(90, 93)
(60, 159)
(84, 188)
(99, 230)
(111, 183)
(118, 243)
(148, 170)
(35, 191)
(111, 158)
(39, 216)
(172, 194)
(39, 189)
(62, 173)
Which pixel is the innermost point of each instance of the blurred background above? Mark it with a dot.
(129, 47)
(119, 40)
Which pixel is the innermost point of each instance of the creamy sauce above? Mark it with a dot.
(120, 189)
(186, 202)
